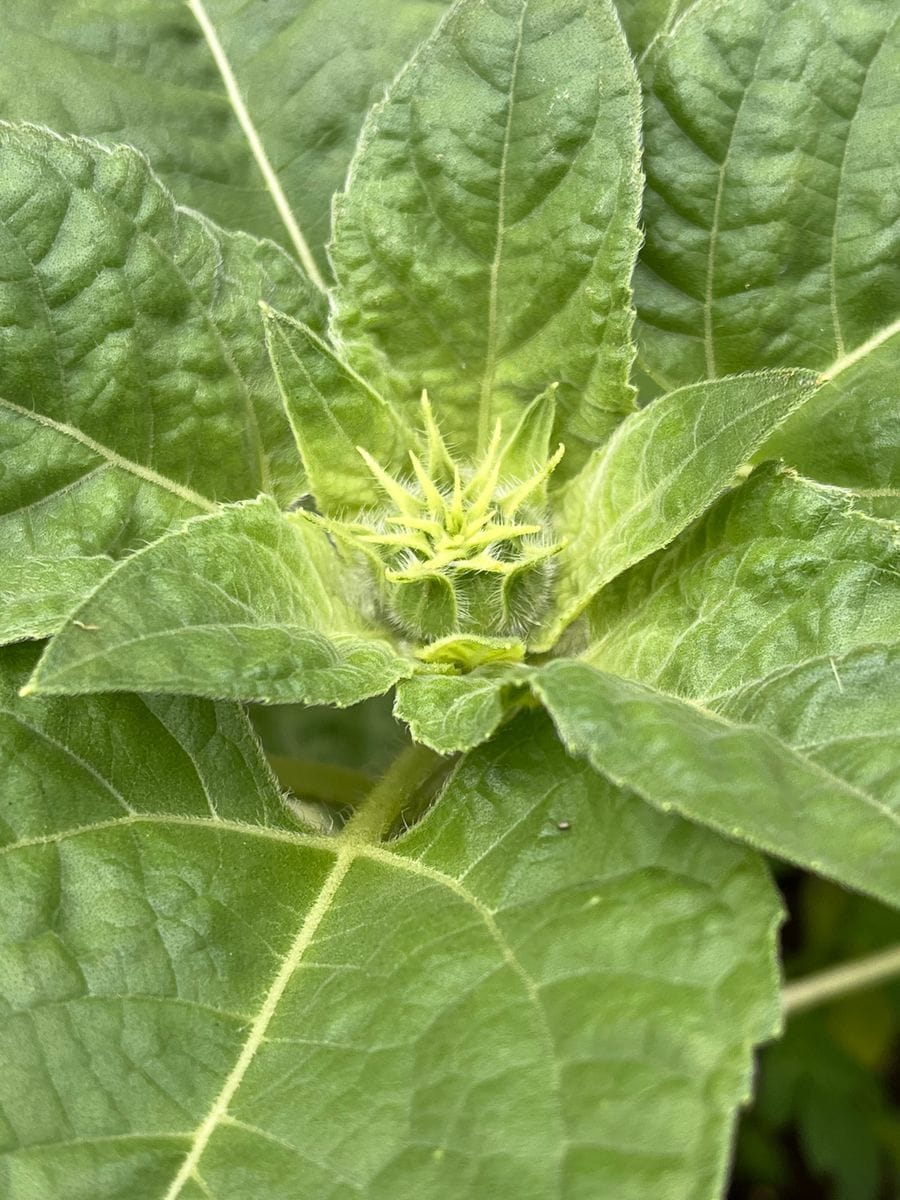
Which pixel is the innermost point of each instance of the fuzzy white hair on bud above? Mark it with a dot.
(462, 549)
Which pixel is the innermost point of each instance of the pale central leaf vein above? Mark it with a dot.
(273, 184)
(345, 856)
(147, 474)
(871, 344)
(490, 366)
(289, 964)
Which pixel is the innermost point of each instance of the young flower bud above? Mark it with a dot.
(461, 548)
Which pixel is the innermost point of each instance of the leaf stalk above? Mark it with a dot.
(836, 982)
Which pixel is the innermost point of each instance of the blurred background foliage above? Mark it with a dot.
(825, 1124)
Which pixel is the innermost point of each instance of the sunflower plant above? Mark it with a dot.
(593, 482)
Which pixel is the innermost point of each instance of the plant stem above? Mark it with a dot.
(836, 981)
(375, 815)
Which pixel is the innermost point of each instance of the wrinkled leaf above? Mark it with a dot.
(144, 74)
(772, 219)
(134, 386)
(778, 612)
(660, 470)
(245, 604)
(458, 712)
(484, 245)
(569, 1013)
(779, 571)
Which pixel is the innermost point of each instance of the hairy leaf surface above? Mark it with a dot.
(492, 1004)
(144, 74)
(458, 712)
(246, 604)
(740, 771)
(773, 218)
(332, 411)
(484, 244)
(779, 571)
(659, 471)
(134, 386)
(778, 612)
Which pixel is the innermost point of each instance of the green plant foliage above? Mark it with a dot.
(452, 712)
(504, 924)
(143, 74)
(663, 467)
(489, 976)
(771, 216)
(238, 604)
(485, 241)
(130, 348)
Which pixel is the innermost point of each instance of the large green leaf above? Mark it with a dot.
(484, 245)
(663, 466)
(134, 386)
(771, 215)
(246, 604)
(142, 72)
(199, 1002)
(781, 570)
(754, 769)
(67, 512)
(778, 613)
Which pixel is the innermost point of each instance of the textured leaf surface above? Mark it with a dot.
(779, 571)
(134, 388)
(536, 1013)
(484, 246)
(779, 612)
(645, 20)
(458, 712)
(661, 469)
(143, 74)
(246, 604)
(333, 411)
(773, 219)
(725, 770)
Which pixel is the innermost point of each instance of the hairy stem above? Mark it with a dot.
(376, 814)
(837, 981)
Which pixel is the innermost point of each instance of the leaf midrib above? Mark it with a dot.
(255, 144)
(145, 474)
(490, 366)
(347, 851)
